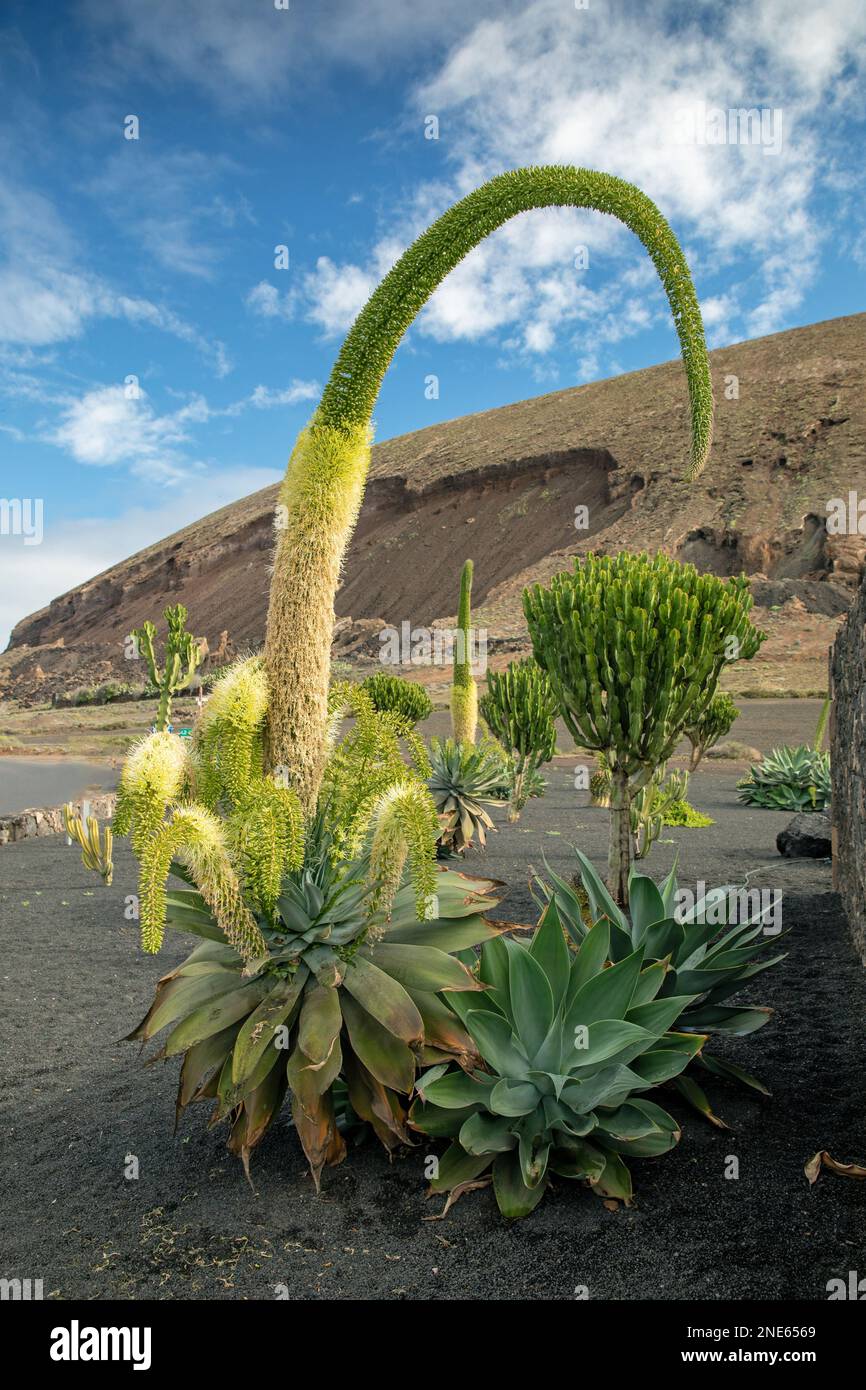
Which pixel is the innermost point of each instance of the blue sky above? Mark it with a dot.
(305, 126)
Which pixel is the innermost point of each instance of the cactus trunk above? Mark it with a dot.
(620, 846)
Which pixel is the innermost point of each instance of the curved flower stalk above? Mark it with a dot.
(195, 837)
(228, 737)
(153, 778)
(365, 764)
(324, 485)
(405, 826)
(464, 691)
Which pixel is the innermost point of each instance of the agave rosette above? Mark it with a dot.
(463, 777)
(343, 992)
(707, 955)
(790, 779)
(568, 1048)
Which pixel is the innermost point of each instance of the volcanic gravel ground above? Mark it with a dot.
(77, 1105)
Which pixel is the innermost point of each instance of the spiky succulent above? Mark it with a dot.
(341, 991)
(393, 693)
(600, 783)
(519, 710)
(714, 723)
(182, 655)
(651, 806)
(709, 948)
(327, 938)
(634, 647)
(790, 779)
(568, 1048)
(462, 779)
(96, 845)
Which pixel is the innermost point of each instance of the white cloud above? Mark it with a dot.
(47, 298)
(109, 426)
(265, 300)
(170, 203)
(335, 294)
(242, 52)
(608, 89)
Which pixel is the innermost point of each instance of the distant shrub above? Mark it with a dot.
(393, 693)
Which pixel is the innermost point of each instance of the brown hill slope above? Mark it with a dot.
(503, 486)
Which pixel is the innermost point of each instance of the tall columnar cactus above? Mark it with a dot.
(519, 709)
(714, 723)
(183, 652)
(464, 691)
(324, 485)
(634, 648)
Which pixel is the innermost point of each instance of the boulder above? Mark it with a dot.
(807, 836)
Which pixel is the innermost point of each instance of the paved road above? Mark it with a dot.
(28, 782)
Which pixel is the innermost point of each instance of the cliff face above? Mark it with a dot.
(521, 489)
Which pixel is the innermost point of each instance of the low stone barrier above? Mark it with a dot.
(48, 820)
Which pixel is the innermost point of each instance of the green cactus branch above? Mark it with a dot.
(324, 484)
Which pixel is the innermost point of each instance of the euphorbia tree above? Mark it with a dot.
(634, 648)
(324, 484)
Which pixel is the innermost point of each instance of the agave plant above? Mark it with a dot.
(790, 779)
(568, 1049)
(462, 779)
(709, 948)
(341, 994)
(326, 941)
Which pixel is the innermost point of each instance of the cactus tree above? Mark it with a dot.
(324, 484)
(634, 648)
(183, 652)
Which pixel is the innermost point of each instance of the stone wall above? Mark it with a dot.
(48, 820)
(848, 749)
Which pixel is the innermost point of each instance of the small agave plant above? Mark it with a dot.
(569, 1047)
(708, 952)
(790, 779)
(325, 945)
(464, 778)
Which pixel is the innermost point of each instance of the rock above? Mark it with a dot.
(737, 752)
(807, 836)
